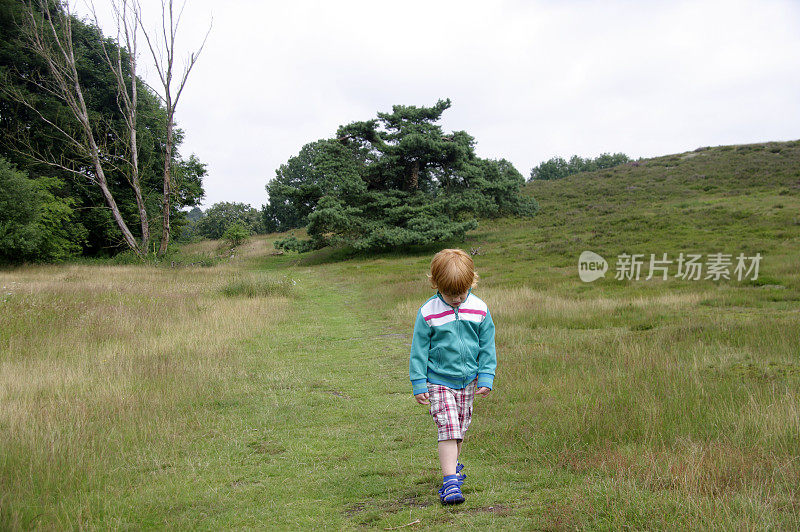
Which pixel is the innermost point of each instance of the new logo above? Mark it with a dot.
(591, 266)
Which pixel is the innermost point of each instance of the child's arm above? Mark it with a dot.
(418, 362)
(487, 358)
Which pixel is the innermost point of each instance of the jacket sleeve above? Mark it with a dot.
(487, 357)
(418, 363)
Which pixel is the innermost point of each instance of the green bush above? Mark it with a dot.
(236, 234)
(292, 243)
(221, 216)
(35, 225)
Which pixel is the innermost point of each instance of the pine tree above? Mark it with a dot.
(391, 182)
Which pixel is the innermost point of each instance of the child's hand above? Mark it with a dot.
(483, 391)
(422, 398)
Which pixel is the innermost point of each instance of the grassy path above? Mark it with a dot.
(343, 444)
(318, 428)
(336, 438)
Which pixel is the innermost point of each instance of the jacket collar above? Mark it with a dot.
(439, 295)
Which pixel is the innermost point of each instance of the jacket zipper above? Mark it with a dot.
(461, 344)
(460, 339)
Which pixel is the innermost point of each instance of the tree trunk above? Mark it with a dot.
(100, 176)
(126, 233)
(414, 184)
(165, 202)
(137, 190)
(132, 118)
(128, 17)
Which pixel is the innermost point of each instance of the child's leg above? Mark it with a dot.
(464, 402)
(448, 456)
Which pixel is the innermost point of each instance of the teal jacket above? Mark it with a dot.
(452, 345)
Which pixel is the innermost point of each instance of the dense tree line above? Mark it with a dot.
(557, 167)
(391, 182)
(72, 214)
(221, 218)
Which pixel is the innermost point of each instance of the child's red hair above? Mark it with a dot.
(452, 272)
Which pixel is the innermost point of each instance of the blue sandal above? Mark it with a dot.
(450, 493)
(459, 467)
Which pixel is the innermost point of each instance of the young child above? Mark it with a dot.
(452, 354)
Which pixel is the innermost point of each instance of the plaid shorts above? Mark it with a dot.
(452, 409)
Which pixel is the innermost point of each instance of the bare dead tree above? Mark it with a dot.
(162, 50)
(127, 17)
(49, 34)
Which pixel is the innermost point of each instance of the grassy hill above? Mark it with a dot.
(271, 391)
(707, 198)
(728, 199)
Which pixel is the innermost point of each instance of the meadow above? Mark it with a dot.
(271, 391)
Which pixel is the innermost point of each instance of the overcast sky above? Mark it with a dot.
(529, 80)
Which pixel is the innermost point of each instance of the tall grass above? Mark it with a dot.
(258, 285)
(100, 373)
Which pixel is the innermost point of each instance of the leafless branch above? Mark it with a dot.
(190, 64)
(163, 55)
(17, 96)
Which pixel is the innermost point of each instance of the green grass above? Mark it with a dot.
(258, 286)
(229, 396)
